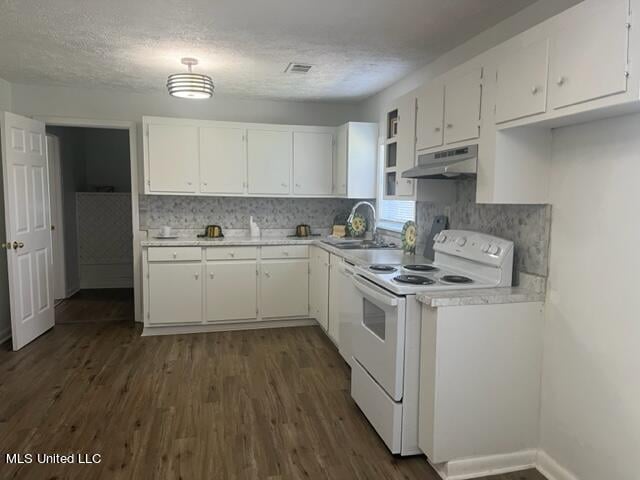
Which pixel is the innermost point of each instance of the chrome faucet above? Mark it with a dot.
(374, 229)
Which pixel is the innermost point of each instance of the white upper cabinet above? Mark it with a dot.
(223, 160)
(356, 160)
(312, 163)
(406, 150)
(522, 82)
(172, 158)
(269, 157)
(589, 53)
(463, 96)
(430, 117)
(340, 164)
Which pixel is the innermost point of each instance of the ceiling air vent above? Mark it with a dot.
(297, 68)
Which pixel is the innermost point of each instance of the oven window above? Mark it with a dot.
(374, 319)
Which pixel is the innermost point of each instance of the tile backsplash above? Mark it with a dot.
(184, 212)
(528, 226)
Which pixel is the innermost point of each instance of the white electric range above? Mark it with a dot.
(386, 339)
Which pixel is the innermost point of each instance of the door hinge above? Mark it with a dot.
(149, 182)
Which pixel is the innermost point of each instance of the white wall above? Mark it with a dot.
(5, 96)
(127, 106)
(73, 180)
(372, 108)
(591, 384)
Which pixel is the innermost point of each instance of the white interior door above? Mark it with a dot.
(57, 227)
(27, 215)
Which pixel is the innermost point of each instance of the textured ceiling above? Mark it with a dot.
(357, 47)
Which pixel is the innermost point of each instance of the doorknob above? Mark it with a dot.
(17, 245)
(6, 245)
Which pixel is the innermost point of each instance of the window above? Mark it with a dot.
(392, 214)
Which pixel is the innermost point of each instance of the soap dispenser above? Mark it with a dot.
(253, 228)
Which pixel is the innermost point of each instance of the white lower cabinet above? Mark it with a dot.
(319, 286)
(231, 291)
(175, 292)
(284, 288)
(336, 286)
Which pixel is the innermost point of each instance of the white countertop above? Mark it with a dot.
(480, 296)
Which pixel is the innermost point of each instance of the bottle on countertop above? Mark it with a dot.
(254, 228)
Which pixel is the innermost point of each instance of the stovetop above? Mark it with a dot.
(414, 279)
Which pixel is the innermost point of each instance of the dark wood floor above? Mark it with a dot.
(103, 305)
(267, 404)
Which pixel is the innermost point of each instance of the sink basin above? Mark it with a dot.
(362, 245)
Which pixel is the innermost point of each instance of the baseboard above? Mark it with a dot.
(551, 469)
(225, 327)
(475, 467)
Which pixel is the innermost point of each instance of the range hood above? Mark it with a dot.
(447, 164)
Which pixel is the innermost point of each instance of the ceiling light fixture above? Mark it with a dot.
(189, 84)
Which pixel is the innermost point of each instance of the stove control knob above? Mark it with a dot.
(436, 237)
(461, 241)
(442, 238)
(486, 247)
(494, 250)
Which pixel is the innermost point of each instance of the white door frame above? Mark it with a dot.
(52, 121)
(56, 187)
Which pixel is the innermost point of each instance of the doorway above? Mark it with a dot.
(92, 225)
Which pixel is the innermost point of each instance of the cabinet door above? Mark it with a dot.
(312, 163)
(430, 117)
(336, 287)
(319, 286)
(269, 156)
(340, 168)
(406, 152)
(175, 292)
(223, 161)
(172, 158)
(284, 288)
(589, 55)
(522, 83)
(462, 107)
(231, 289)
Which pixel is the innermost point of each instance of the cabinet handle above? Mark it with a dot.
(267, 274)
(189, 183)
(437, 129)
(197, 275)
(232, 254)
(175, 255)
(297, 185)
(205, 184)
(284, 185)
(561, 81)
(285, 253)
(449, 125)
(534, 90)
(211, 275)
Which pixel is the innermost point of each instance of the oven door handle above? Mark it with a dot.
(374, 292)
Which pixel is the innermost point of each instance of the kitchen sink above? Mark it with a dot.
(361, 245)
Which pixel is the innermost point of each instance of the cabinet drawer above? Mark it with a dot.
(232, 253)
(175, 254)
(286, 251)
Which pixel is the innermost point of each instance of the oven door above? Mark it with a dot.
(378, 338)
